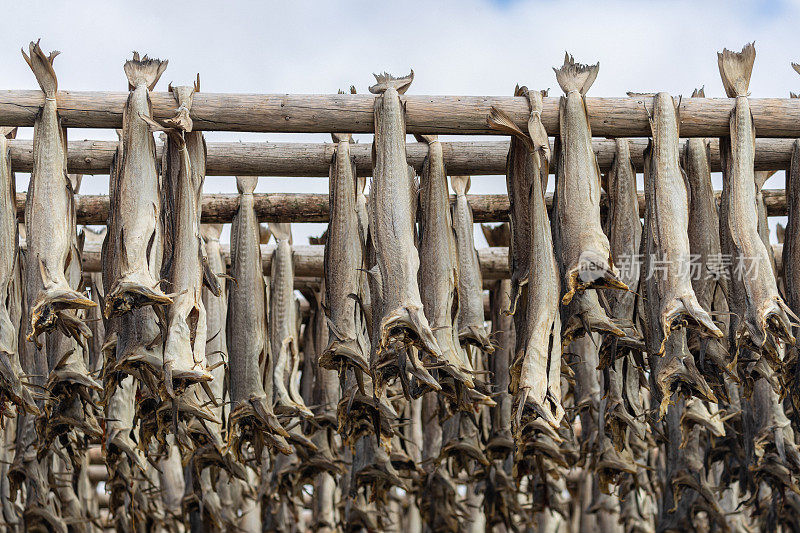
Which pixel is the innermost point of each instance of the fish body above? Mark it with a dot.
(49, 211)
(668, 216)
(184, 173)
(343, 264)
(392, 204)
(216, 312)
(708, 280)
(759, 316)
(439, 272)
(471, 328)
(623, 406)
(585, 254)
(138, 190)
(11, 387)
(500, 441)
(670, 301)
(536, 368)
(252, 417)
(283, 327)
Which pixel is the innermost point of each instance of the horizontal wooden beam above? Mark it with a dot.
(306, 207)
(308, 260)
(353, 113)
(313, 159)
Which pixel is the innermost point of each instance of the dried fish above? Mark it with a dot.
(471, 328)
(138, 189)
(252, 419)
(283, 328)
(392, 216)
(439, 272)
(759, 316)
(585, 255)
(536, 369)
(622, 419)
(709, 283)
(671, 304)
(500, 442)
(12, 389)
(344, 259)
(49, 211)
(71, 388)
(183, 266)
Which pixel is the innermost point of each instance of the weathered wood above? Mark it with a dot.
(313, 159)
(307, 207)
(322, 113)
(308, 260)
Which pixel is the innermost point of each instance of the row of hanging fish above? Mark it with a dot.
(589, 392)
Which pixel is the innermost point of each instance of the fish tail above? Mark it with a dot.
(735, 68)
(574, 76)
(342, 137)
(211, 232)
(144, 71)
(761, 178)
(387, 81)
(427, 139)
(500, 121)
(460, 184)
(699, 93)
(499, 235)
(42, 67)
(281, 230)
(246, 184)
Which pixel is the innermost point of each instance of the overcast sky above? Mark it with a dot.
(458, 47)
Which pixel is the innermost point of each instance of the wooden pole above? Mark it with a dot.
(305, 207)
(353, 113)
(312, 159)
(308, 260)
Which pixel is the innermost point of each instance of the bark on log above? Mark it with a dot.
(308, 260)
(305, 207)
(324, 113)
(313, 159)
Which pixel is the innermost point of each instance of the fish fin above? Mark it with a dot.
(460, 184)
(386, 81)
(500, 121)
(246, 184)
(699, 93)
(574, 76)
(42, 67)
(282, 231)
(144, 71)
(735, 68)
